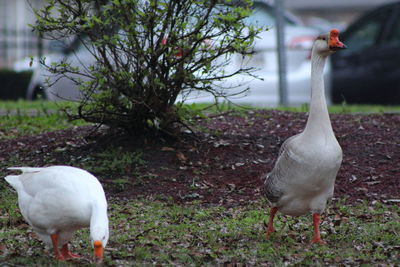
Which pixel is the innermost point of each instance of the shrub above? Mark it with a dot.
(147, 52)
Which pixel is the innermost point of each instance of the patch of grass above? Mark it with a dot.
(150, 232)
(23, 107)
(20, 125)
(344, 108)
(114, 161)
(9, 212)
(19, 118)
(41, 105)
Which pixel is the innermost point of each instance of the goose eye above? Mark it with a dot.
(323, 38)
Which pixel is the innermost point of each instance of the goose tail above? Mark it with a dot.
(14, 181)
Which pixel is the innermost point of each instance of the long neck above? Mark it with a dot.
(99, 221)
(318, 118)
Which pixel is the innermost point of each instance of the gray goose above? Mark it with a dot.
(304, 174)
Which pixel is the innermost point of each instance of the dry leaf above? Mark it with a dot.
(181, 156)
(165, 148)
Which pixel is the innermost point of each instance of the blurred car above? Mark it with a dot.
(321, 24)
(264, 91)
(62, 88)
(368, 71)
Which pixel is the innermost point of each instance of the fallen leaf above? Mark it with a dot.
(165, 148)
(373, 183)
(181, 156)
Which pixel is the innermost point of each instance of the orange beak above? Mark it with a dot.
(334, 43)
(98, 251)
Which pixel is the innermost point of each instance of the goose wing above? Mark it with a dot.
(274, 183)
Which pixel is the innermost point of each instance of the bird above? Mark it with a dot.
(303, 177)
(58, 200)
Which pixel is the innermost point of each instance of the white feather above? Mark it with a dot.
(304, 174)
(60, 200)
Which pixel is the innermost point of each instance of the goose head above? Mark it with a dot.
(99, 237)
(328, 43)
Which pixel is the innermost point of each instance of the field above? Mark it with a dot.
(196, 200)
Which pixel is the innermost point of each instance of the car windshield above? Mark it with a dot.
(263, 15)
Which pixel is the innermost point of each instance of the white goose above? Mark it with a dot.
(58, 200)
(304, 174)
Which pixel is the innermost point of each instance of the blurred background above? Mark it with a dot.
(311, 17)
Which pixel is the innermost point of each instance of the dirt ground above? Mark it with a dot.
(223, 161)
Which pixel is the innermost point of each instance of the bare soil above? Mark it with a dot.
(222, 162)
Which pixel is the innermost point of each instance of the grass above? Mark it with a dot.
(150, 232)
(147, 232)
(21, 125)
(115, 159)
(19, 118)
(343, 108)
(44, 106)
(40, 105)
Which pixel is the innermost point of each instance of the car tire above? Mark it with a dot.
(395, 100)
(38, 93)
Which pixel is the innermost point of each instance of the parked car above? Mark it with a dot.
(262, 91)
(265, 91)
(63, 88)
(368, 71)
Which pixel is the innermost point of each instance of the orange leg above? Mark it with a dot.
(317, 235)
(57, 254)
(68, 254)
(270, 228)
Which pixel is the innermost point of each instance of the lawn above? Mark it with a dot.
(152, 229)
(149, 232)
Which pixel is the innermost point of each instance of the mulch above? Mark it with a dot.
(223, 160)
